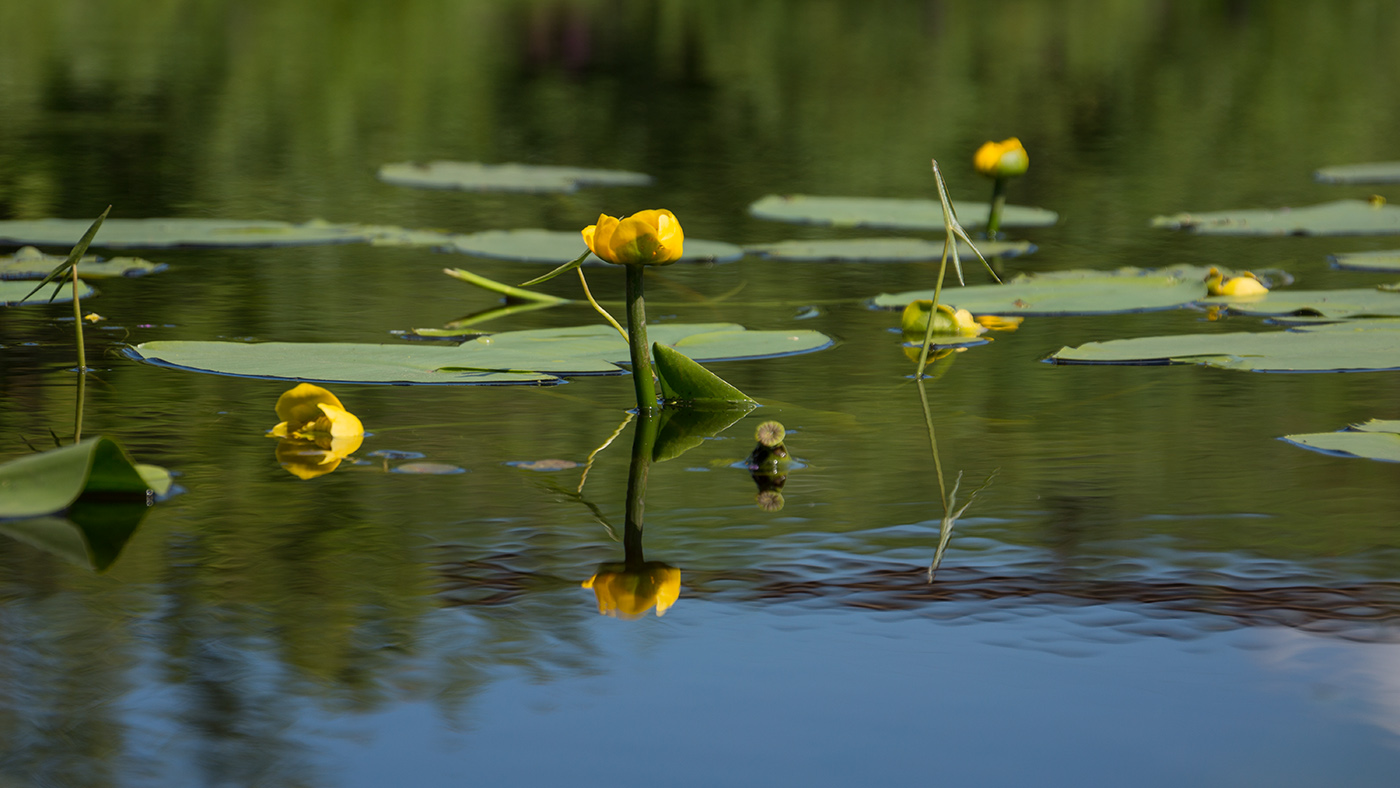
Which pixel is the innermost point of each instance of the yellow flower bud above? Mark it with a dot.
(1003, 159)
(317, 431)
(1246, 284)
(644, 238)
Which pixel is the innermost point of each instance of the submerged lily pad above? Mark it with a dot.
(160, 233)
(475, 176)
(1354, 346)
(1375, 172)
(428, 469)
(1383, 260)
(1377, 439)
(1076, 292)
(882, 250)
(889, 213)
(535, 356)
(558, 246)
(1360, 302)
(1343, 217)
(30, 263)
(11, 291)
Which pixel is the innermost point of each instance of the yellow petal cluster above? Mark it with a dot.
(644, 238)
(1003, 159)
(1246, 284)
(630, 592)
(959, 322)
(317, 431)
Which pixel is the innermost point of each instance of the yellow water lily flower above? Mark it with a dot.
(630, 592)
(959, 322)
(1246, 284)
(644, 238)
(317, 431)
(1003, 159)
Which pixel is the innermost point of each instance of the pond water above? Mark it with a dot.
(1152, 589)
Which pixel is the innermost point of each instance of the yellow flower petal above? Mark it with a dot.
(299, 405)
(340, 422)
(651, 237)
(1003, 159)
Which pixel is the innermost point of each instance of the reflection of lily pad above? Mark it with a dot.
(1343, 217)
(1383, 260)
(882, 250)
(889, 213)
(536, 356)
(1377, 439)
(1361, 302)
(1355, 346)
(89, 534)
(475, 176)
(153, 233)
(11, 291)
(30, 263)
(682, 429)
(1077, 292)
(1376, 172)
(556, 247)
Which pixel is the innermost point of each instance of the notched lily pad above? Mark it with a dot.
(11, 291)
(535, 356)
(881, 250)
(1353, 346)
(1075, 292)
(1375, 172)
(1377, 439)
(30, 263)
(557, 246)
(889, 213)
(475, 176)
(1343, 217)
(162, 233)
(1383, 260)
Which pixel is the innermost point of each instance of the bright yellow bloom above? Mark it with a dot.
(959, 322)
(1003, 159)
(644, 238)
(317, 431)
(630, 593)
(1246, 284)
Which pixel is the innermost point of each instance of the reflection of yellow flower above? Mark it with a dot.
(644, 238)
(1246, 284)
(317, 431)
(1001, 159)
(630, 593)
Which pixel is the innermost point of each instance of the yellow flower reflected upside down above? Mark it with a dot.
(644, 238)
(630, 592)
(1003, 159)
(317, 431)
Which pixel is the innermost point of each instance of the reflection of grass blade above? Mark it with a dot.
(497, 312)
(588, 464)
(72, 261)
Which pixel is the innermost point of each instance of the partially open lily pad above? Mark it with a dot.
(1375, 172)
(30, 263)
(1343, 217)
(882, 250)
(160, 233)
(558, 246)
(12, 291)
(1353, 346)
(889, 213)
(536, 356)
(1360, 302)
(1382, 260)
(475, 176)
(1076, 292)
(1377, 439)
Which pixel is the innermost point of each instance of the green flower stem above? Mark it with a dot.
(78, 407)
(998, 202)
(78, 323)
(637, 339)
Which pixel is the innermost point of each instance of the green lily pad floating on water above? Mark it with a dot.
(11, 291)
(162, 233)
(1343, 217)
(1353, 346)
(1375, 172)
(557, 247)
(30, 263)
(538, 356)
(1332, 304)
(882, 250)
(475, 176)
(887, 213)
(1386, 260)
(1076, 292)
(1377, 439)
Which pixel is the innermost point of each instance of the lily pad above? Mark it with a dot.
(1383, 260)
(684, 381)
(1360, 302)
(161, 233)
(1377, 439)
(51, 481)
(535, 356)
(1353, 346)
(1343, 217)
(882, 250)
(1075, 292)
(557, 246)
(428, 469)
(475, 176)
(1375, 172)
(11, 291)
(30, 263)
(889, 213)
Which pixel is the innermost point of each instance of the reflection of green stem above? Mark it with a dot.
(78, 406)
(637, 339)
(78, 323)
(994, 213)
(643, 441)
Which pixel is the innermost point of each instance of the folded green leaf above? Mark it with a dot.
(51, 481)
